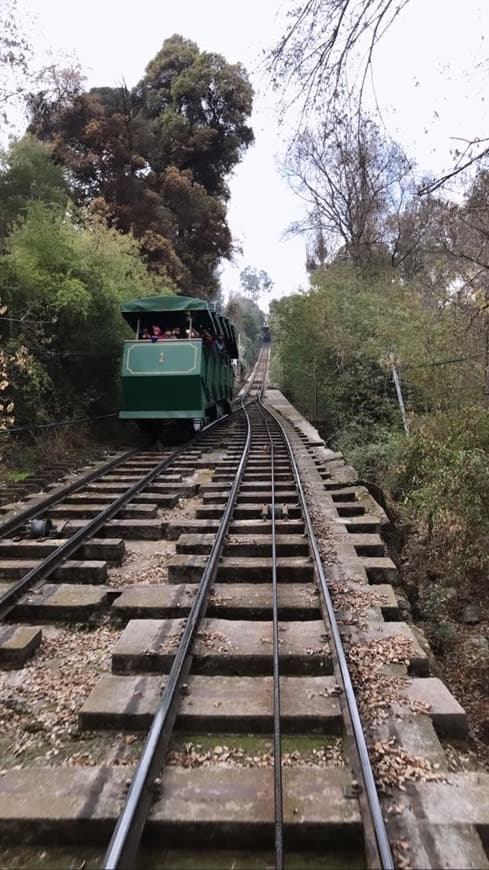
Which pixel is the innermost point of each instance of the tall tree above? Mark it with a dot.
(15, 55)
(255, 282)
(421, 249)
(154, 159)
(351, 179)
(28, 174)
(468, 245)
(326, 54)
(199, 105)
(248, 319)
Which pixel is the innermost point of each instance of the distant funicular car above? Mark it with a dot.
(178, 366)
(266, 333)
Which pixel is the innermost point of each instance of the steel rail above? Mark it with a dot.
(35, 510)
(382, 856)
(248, 385)
(40, 507)
(50, 562)
(128, 831)
(277, 731)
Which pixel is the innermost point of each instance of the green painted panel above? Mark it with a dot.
(178, 357)
(172, 379)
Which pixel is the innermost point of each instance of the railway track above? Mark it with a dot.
(267, 484)
(216, 724)
(130, 487)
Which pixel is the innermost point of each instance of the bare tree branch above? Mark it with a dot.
(322, 39)
(457, 170)
(351, 180)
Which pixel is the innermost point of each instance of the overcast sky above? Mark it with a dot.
(431, 76)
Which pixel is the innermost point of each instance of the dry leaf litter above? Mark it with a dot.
(394, 767)
(376, 690)
(183, 510)
(40, 703)
(144, 562)
(194, 755)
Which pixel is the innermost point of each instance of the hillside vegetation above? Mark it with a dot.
(333, 350)
(111, 194)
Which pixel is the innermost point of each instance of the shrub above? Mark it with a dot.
(443, 637)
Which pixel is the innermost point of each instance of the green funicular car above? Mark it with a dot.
(179, 367)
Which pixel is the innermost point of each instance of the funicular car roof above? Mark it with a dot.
(207, 317)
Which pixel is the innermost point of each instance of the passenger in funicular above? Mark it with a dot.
(208, 339)
(162, 333)
(159, 334)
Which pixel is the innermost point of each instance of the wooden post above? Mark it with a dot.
(395, 377)
(315, 389)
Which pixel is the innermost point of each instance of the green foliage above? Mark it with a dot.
(376, 452)
(328, 343)
(248, 319)
(445, 476)
(27, 174)
(446, 460)
(67, 278)
(255, 282)
(334, 346)
(443, 637)
(201, 104)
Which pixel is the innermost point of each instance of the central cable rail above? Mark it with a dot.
(277, 733)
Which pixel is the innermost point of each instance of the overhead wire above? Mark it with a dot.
(59, 423)
(26, 320)
(443, 362)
